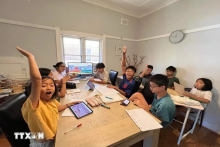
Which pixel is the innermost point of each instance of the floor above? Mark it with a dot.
(201, 137)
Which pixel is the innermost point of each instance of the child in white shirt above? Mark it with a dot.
(201, 91)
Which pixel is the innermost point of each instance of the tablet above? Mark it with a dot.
(80, 110)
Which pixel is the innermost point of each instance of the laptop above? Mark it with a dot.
(91, 85)
(179, 88)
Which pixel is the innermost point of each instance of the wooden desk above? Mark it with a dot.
(105, 127)
(199, 108)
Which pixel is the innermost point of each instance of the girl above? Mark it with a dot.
(40, 110)
(59, 73)
(48, 72)
(201, 91)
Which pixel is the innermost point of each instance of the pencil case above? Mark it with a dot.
(93, 102)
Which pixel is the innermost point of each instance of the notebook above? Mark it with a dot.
(115, 98)
(143, 120)
(71, 91)
(105, 91)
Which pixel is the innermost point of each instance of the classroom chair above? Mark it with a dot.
(147, 93)
(137, 84)
(11, 120)
(113, 76)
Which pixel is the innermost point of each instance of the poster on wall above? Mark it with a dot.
(118, 50)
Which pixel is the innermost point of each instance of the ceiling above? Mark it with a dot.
(136, 8)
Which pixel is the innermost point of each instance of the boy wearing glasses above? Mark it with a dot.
(162, 106)
(128, 83)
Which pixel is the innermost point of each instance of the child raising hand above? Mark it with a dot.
(40, 110)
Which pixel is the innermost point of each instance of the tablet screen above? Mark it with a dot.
(80, 110)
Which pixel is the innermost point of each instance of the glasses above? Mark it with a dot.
(62, 66)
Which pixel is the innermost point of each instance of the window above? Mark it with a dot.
(81, 49)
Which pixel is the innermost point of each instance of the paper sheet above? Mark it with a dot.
(115, 97)
(143, 120)
(105, 91)
(67, 111)
(75, 81)
(71, 91)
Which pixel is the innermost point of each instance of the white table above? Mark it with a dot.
(199, 108)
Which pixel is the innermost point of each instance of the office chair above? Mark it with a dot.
(113, 76)
(147, 93)
(11, 120)
(137, 84)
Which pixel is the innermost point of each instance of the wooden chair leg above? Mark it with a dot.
(202, 115)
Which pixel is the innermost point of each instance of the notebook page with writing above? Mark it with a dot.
(143, 120)
(105, 91)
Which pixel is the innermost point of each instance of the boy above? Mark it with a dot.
(147, 73)
(101, 74)
(162, 106)
(128, 83)
(171, 77)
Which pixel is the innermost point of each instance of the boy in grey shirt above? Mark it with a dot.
(101, 74)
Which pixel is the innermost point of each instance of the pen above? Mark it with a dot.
(73, 128)
(109, 98)
(105, 106)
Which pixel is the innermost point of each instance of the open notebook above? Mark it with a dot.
(143, 120)
(106, 91)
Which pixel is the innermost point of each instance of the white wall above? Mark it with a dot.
(196, 56)
(114, 62)
(72, 15)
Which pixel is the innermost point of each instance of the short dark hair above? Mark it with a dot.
(208, 84)
(100, 65)
(150, 66)
(132, 68)
(160, 80)
(172, 68)
(44, 71)
(58, 64)
(28, 88)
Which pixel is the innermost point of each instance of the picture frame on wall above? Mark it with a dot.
(118, 50)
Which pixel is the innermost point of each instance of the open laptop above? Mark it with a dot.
(91, 85)
(179, 88)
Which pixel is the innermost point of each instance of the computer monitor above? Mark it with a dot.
(80, 68)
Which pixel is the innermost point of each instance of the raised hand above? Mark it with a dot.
(23, 52)
(124, 50)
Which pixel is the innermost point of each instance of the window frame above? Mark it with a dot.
(83, 46)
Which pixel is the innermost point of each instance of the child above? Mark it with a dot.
(40, 110)
(128, 83)
(101, 74)
(59, 73)
(162, 106)
(147, 73)
(170, 71)
(201, 91)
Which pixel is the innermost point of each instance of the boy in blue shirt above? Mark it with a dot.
(128, 83)
(162, 106)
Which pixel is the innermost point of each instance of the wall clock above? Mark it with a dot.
(176, 36)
